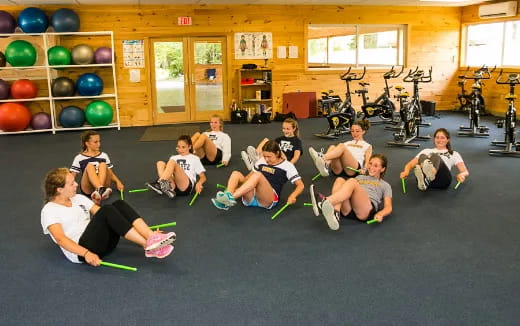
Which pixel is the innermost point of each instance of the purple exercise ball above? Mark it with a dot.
(4, 89)
(41, 120)
(103, 55)
(7, 23)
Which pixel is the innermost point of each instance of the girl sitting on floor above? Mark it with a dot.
(213, 147)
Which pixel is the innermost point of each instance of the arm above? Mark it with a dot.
(368, 155)
(463, 172)
(387, 210)
(296, 157)
(198, 185)
(226, 150)
(408, 167)
(298, 189)
(66, 243)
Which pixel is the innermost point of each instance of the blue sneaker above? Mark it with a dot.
(226, 198)
(219, 205)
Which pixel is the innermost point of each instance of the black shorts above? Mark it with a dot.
(217, 160)
(344, 174)
(352, 215)
(185, 192)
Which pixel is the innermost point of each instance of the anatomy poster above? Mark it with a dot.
(253, 45)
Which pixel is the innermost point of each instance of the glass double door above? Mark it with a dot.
(188, 75)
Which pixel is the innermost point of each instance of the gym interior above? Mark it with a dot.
(441, 257)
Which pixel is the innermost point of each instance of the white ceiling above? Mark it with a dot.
(237, 2)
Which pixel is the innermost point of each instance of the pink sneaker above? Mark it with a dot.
(159, 252)
(158, 240)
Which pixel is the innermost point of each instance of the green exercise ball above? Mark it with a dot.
(20, 53)
(99, 113)
(59, 56)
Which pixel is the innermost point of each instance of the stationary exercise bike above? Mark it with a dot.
(465, 98)
(512, 147)
(341, 121)
(410, 113)
(328, 103)
(476, 103)
(382, 107)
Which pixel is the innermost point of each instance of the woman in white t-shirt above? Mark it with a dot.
(178, 176)
(432, 166)
(86, 232)
(213, 146)
(343, 159)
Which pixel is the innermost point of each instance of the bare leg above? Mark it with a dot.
(340, 156)
(359, 201)
(205, 147)
(176, 175)
(90, 180)
(260, 146)
(255, 183)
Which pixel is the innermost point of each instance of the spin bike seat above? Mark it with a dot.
(364, 84)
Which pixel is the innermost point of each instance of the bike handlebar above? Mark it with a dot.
(513, 78)
(481, 73)
(418, 76)
(392, 73)
(349, 76)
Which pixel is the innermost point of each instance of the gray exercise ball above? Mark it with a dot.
(63, 87)
(82, 54)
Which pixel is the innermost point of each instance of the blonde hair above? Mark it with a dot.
(216, 116)
(294, 124)
(53, 180)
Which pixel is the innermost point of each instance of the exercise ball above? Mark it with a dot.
(63, 87)
(103, 55)
(33, 20)
(72, 117)
(2, 59)
(59, 56)
(24, 88)
(89, 84)
(65, 20)
(7, 23)
(20, 53)
(82, 54)
(41, 120)
(99, 113)
(14, 117)
(4, 89)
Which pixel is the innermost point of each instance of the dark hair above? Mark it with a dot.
(53, 180)
(187, 140)
(294, 124)
(364, 124)
(447, 134)
(384, 161)
(85, 137)
(272, 147)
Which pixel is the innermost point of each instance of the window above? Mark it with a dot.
(493, 44)
(334, 46)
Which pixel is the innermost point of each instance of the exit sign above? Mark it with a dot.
(184, 21)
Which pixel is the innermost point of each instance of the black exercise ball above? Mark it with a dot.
(62, 87)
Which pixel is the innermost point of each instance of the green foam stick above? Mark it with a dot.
(193, 199)
(122, 196)
(457, 185)
(221, 186)
(316, 177)
(280, 211)
(371, 221)
(404, 185)
(138, 190)
(307, 204)
(220, 165)
(355, 170)
(165, 225)
(126, 268)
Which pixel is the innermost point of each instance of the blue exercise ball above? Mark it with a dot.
(65, 20)
(72, 117)
(89, 84)
(33, 20)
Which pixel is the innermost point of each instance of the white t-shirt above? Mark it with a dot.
(358, 150)
(81, 161)
(190, 164)
(222, 141)
(73, 220)
(449, 159)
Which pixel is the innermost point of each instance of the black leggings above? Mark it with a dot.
(111, 222)
(443, 177)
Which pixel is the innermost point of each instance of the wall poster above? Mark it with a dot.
(253, 45)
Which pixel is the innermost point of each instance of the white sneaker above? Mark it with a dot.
(253, 154)
(429, 170)
(246, 160)
(316, 200)
(319, 162)
(330, 215)
(421, 180)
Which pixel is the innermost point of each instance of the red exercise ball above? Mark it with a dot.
(24, 88)
(14, 117)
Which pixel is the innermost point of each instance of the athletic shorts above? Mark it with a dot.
(344, 174)
(254, 202)
(217, 160)
(185, 192)
(353, 216)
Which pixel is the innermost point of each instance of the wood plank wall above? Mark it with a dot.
(433, 40)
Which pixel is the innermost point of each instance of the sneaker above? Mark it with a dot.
(219, 205)
(159, 252)
(331, 216)
(319, 162)
(316, 200)
(170, 193)
(421, 179)
(105, 192)
(226, 198)
(253, 154)
(96, 196)
(158, 240)
(246, 160)
(428, 170)
(155, 186)
(164, 184)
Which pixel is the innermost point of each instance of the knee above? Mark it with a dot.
(160, 164)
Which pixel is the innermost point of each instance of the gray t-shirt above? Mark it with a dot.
(377, 189)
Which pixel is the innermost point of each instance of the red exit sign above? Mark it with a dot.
(184, 21)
